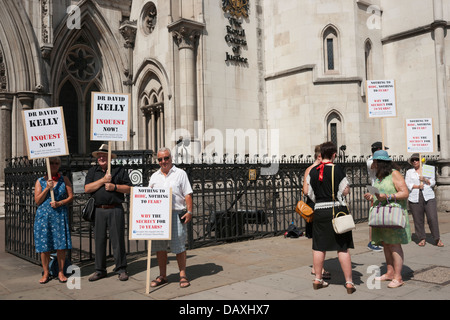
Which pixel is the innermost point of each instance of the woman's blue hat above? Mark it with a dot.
(381, 155)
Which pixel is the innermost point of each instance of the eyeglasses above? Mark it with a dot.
(165, 159)
(415, 159)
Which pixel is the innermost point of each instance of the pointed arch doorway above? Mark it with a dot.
(80, 77)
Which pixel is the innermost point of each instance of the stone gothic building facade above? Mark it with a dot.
(226, 77)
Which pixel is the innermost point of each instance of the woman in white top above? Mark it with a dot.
(422, 200)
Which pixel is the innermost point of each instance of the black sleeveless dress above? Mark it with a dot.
(324, 237)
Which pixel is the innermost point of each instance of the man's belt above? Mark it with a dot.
(108, 206)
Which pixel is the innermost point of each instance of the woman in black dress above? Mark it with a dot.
(324, 237)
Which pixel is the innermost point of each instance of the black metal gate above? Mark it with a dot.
(232, 201)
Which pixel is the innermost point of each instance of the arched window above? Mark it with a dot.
(152, 107)
(68, 98)
(368, 60)
(79, 77)
(331, 50)
(334, 129)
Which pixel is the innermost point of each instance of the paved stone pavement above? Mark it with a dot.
(269, 269)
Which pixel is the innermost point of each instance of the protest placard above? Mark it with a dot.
(381, 98)
(381, 101)
(45, 133)
(420, 138)
(150, 218)
(419, 135)
(150, 214)
(110, 114)
(110, 118)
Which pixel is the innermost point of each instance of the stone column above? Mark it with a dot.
(26, 99)
(186, 33)
(5, 132)
(443, 181)
(128, 31)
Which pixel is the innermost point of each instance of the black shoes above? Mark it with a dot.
(97, 276)
(123, 276)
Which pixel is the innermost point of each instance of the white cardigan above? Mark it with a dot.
(412, 178)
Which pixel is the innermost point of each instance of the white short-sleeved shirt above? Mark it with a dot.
(370, 171)
(176, 179)
(412, 178)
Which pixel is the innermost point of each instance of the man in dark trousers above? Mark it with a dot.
(108, 190)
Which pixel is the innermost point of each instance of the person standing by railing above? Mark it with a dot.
(51, 226)
(108, 190)
(422, 201)
(324, 237)
(169, 176)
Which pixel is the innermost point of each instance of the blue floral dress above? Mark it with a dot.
(51, 226)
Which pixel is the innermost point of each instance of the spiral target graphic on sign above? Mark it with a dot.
(135, 176)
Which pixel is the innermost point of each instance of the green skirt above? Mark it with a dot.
(392, 236)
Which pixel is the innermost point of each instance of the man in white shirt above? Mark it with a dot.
(169, 176)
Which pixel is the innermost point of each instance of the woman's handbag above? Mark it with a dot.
(305, 211)
(342, 221)
(390, 216)
(88, 211)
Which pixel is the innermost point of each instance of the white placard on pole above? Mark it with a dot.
(150, 214)
(381, 98)
(150, 218)
(419, 135)
(45, 133)
(110, 114)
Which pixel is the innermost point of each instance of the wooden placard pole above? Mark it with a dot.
(109, 157)
(420, 170)
(149, 256)
(49, 173)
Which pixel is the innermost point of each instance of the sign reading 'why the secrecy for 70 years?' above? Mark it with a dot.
(150, 213)
(381, 98)
(419, 135)
(110, 113)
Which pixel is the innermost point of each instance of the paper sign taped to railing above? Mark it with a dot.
(110, 115)
(150, 214)
(45, 133)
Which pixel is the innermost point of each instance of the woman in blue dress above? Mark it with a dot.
(51, 226)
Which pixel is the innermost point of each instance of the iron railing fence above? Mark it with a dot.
(232, 201)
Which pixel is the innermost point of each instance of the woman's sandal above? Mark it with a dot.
(422, 243)
(395, 284)
(439, 243)
(321, 284)
(350, 289)
(44, 280)
(158, 281)
(384, 277)
(325, 275)
(184, 282)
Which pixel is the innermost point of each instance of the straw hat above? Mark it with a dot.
(103, 149)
